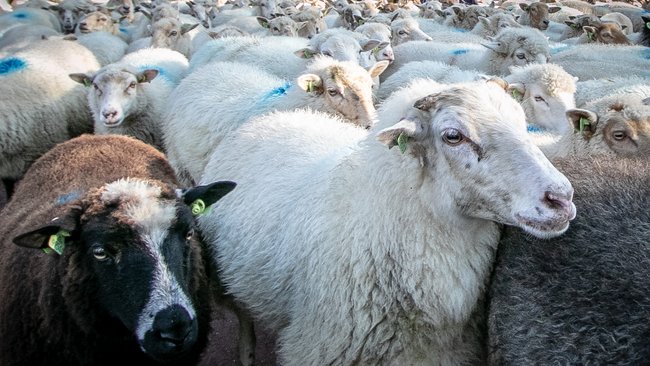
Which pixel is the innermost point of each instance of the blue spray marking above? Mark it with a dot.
(20, 15)
(646, 53)
(11, 64)
(123, 30)
(277, 92)
(68, 197)
(460, 30)
(560, 48)
(535, 129)
(459, 52)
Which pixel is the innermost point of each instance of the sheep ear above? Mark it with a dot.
(457, 10)
(51, 237)
(305, 53)
(370, 44)
(376, 69)
(583, 121)
(400, 133)
(200, 198)
(553, 9)
(310, 83)
(646, 101)
(188, 27)
(440, 13)
(497, 47)
(485, 21)
(84, 79)
(263, 22)
(396, 15)
(147, 75)
(524, 7)
(501, 83)
(517, 91)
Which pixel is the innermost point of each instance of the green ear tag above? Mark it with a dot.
(310, 86)
(583, 124)
(198, 207)
(401, 142)
(516, 95)
(375, 51)
(308, 54)
(591, 36)
(87, 82)
(56, 243)
(647, 25)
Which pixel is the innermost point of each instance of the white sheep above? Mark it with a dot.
(510, 47)
(381, 32)
(597, 61)
(41, 105)
(99, 21)
(545, 91)
(29, 16)
(107, 47)
(405, 30)
(590, 90)
(282, 26)
(219, 97)
(22, 35)
(129, 97)
(616, 124)
(167, 33)
(490, 26)
(358, 254)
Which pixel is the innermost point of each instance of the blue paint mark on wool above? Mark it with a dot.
(559, 48)
(460, 30)
(459, 52)
(11, 64)
(646, 53)
(277, 92)
(535, 129)
(20, 15)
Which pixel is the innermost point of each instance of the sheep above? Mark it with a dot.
(490, 26)
(168, 33)
(29, 16)
(581, 298)
(99, 21)
(68, 12)
(405, 30)
(536, 14)
(607, 33)
(623, 21)
(597, 61)
(128, 97)
(282, 26)
(314, 21)
(380, 32)
(545, 91)
(125, 280)
(201, 12)
(428, 10)
(573, 27)
(41, 105)
(106, 47)
(511, 47)
(336, 87)
(398, 277)
(350, 18)
(614, 124)
(22, 35)
(590, 90)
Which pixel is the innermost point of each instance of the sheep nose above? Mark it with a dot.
(561, 201)
(545, 22)
(173, 325)
(109, 114)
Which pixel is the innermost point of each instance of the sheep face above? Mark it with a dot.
(200, 12)
(496, 172)
(170, 33)
(95, 22)
(68, 18)
(609, 33)
(543, 108)
(623, 126)
(346, 89)
(268, 8)
(538, 14)
(134, 242)
(404, 30)
(114, 93)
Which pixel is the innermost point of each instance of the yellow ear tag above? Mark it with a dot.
(310, 86)
(56, 243)
(402, 139)
(198, 207)
(583, 124)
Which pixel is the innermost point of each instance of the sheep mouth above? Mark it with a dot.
(544, 228)
(114, 123)
(83, 29)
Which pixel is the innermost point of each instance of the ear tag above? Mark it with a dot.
(308, 54)
(647, 25)
(198, 207)
(516, 95)
(142, 79)
(591, 36)
(310, 86)
(583, 124)
(87, 82)
(375, 51)
(402, 139)
(56, 243)
(574, 26)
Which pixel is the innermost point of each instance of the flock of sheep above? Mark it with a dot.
(389, 183)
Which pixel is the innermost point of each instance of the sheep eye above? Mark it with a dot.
(452, 136)
(521, 56)
(503, 26)
(276, 29)
(132, 85)
(100, 254)
(539, 99)
(332, 92)
(173, 33)
(327, 53)
(401, 33)
(189, 235)
(619, 135)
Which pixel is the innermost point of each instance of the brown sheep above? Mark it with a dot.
(536, 14)
(608, 33)
(124, 280)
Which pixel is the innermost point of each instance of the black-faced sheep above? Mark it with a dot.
(582, 298)
(124, 281)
